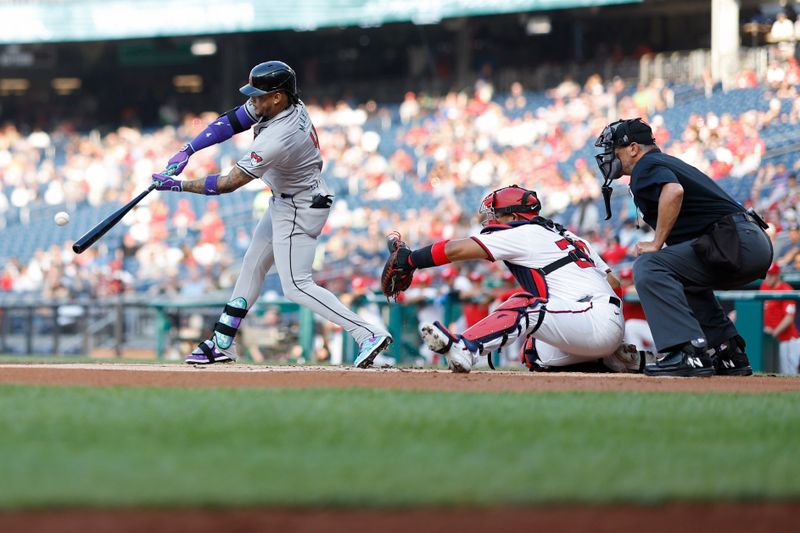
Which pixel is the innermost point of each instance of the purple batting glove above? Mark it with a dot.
(165, 182)
(178, 162)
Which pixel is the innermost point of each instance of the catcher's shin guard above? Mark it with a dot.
(528, 355)
(228, 323)
(522, 314)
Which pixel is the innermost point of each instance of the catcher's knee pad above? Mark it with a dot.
(510, 320)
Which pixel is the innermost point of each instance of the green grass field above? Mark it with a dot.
(356, 447)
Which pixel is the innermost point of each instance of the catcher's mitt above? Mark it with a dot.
(397, 273)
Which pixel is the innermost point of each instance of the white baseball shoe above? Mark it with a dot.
(460, 358)
(628, 359)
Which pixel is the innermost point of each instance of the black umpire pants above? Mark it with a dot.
(676, 288)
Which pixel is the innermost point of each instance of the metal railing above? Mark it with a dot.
(139, 325)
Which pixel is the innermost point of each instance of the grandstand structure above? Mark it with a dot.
(418, 113)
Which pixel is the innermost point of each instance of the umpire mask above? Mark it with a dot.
(607, 160)
(619, 133)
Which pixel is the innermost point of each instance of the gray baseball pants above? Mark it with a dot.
(286, 236)
(676, 289)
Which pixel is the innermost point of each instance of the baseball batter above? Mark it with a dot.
(285, 155)
(569, 310)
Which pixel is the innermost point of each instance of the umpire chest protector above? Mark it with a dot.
(533, 280)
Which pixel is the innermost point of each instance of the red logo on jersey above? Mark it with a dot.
(255, 159)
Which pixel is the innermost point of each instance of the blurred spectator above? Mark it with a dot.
(475, 300)
(614, 252)
(779, 322)
(212, 228)
(786, 255)
(782, 32)
(242, 241)
(193, 284)
(184, 218)
(409, 109)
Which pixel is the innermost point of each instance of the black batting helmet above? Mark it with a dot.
(269, 77)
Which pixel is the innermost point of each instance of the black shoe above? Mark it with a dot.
(730, 360)
(690, 360)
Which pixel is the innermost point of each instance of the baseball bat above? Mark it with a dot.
(109, 222)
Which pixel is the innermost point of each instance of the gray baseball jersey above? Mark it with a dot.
(285, 152)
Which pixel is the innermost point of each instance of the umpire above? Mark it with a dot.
(712, 243)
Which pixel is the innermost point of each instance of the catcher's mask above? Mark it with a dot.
(616, 134)
(511, 199)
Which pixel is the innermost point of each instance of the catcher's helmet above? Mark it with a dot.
(511, 199)
(269, 77)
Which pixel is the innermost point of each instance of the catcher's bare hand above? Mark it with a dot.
(398, 273)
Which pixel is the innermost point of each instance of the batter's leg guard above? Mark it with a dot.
(221, 347)
(522, 314)
(228, 324)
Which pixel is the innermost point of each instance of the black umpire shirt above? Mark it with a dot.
(704, 202)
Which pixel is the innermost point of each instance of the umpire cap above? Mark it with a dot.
(630, 131)
(269, 77)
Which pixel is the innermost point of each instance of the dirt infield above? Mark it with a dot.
(688, 517)
(162, 375)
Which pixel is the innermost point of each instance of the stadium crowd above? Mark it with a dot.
(437, 147)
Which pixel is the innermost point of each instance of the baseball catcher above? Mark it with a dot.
(568, 310)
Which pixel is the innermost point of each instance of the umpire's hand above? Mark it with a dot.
(645, 247)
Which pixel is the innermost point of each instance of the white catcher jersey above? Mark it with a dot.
(285, 152)
(532, 246)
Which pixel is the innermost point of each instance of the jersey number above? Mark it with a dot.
(563, 244)
(314, 136)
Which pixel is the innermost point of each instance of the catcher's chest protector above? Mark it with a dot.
(533, 279)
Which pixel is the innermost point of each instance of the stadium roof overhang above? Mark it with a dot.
(42, 21)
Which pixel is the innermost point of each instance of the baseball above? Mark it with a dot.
(61, 218)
